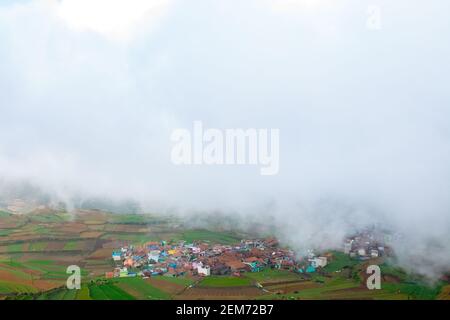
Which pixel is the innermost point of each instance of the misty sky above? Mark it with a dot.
(90, 92)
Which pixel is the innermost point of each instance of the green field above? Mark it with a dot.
(4, 214)
(16, 247)
(206, 235)
(141, 289)
(11, 287)
(339, 261)
(322, 291)
(71, 245)
(108, 291)
(5, 232)
(38, 246)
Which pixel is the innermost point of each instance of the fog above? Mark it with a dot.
(87, 108)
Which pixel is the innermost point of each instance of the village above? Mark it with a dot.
(205, 259)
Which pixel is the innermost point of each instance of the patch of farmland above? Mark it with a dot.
(38, 246)
(83, 293)
(55, 245)
(5, 232)
(291, 286)
(14, 287)
(103, 253)
(126, 228)
(25, 279)
(445, 293)
(91, 234)
(44, 285)
(182, 280)
(268, 276)
(225, 281)
(321, 291)
(45, 218)
(73, 228)
(130, 219)
(130, 237)
(108, 292)
(141, 289)
(236, 293)
(87, 245)
(4, 214)
(73, 245)
(414, 290)
(96, 227)
(24, 237)
(166, 285)
(362, 293)
(207, 235)
(16, 247)
(45, 269)
(94, 222)
(339, 261)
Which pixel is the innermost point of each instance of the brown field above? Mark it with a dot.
(289, 287)
(23, 237)
(96, 227)
(126, 228)
(73, 227)
(41, 285)
(55, 246)
(445, 293)
(104, 253)
(94, 222)
(91, 234)
(235, 293)
(44, 285)
(86, 245)
(167, 286)
(128, 288)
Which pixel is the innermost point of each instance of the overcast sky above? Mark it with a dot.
(90, 91)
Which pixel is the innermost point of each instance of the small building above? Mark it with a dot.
(310, 269)
(319, 262)
(347, 247)
(117, 256)
(123, 272)
(128, 262)
(204, 271)
(237, 266)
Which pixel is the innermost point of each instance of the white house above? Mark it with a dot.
(362, 252)
(347, 247)
(205, 271)
(117, 256)
(319, 262)
(154, 255)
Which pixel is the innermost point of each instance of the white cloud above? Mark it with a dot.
(289, 5)
(116, 19)
(365, 137)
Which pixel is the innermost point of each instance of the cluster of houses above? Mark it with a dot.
(205, 259)
(366, 245)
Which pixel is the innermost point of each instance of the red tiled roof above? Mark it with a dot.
(236, 265)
